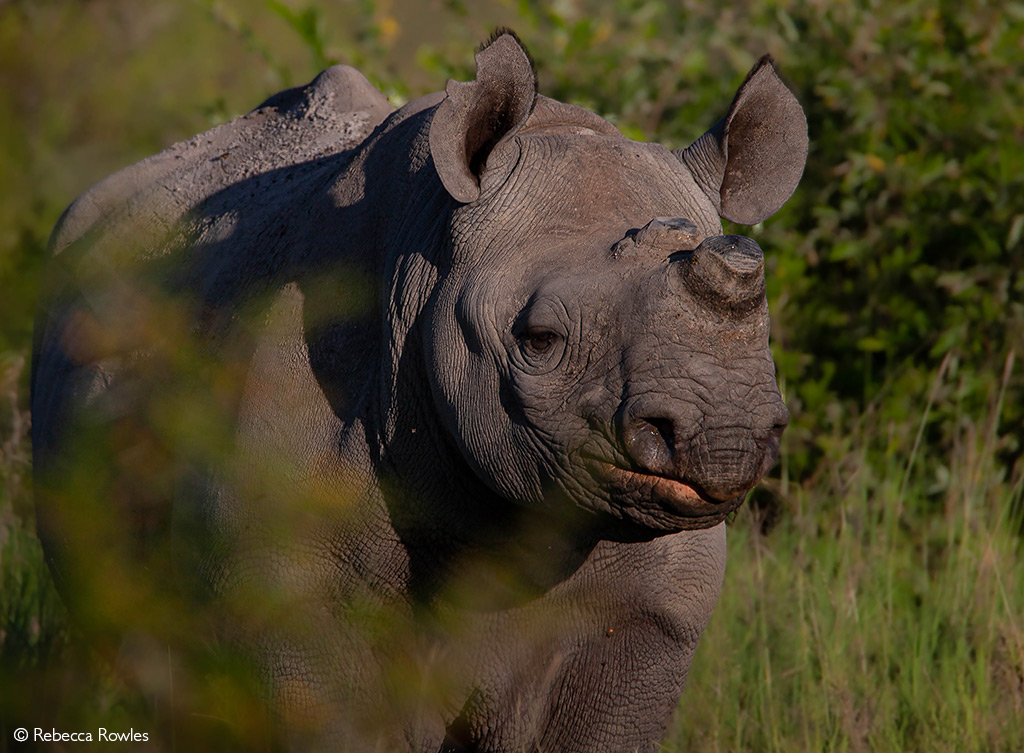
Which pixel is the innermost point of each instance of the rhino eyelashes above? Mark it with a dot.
(539, 351)
(540, 330)
(539, 341)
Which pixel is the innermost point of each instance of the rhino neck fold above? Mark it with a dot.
(487, 551)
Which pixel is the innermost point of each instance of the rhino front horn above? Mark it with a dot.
(725, 271)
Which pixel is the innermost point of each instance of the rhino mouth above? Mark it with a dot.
(667, 502)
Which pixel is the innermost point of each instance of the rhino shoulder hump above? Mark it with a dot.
(337, 90)
(333, 113)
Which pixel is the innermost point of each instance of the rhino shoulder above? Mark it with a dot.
(334, 113)
(203, 203)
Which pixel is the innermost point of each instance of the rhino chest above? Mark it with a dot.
(597, 664)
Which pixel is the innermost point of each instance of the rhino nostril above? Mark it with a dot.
(650, 442)
(780, 423)
(665, 429)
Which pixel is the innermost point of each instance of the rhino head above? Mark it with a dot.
(593, 336)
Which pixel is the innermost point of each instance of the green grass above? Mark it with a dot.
(877, 614)
(861, 611)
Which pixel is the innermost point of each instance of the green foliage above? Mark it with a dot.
(875, 591)
(857, 624)
(903, 242)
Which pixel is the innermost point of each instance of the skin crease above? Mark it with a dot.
(483, 510)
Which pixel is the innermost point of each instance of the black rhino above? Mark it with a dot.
(433, 415)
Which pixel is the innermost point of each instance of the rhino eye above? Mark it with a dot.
(539, 341)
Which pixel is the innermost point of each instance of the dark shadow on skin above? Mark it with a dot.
(450, 523)
(223, 286)
(299, 236)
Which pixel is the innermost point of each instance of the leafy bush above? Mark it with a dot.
(904, 241)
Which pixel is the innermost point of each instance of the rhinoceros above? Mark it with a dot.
(433, 416)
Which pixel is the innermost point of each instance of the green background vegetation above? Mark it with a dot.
(874, 598)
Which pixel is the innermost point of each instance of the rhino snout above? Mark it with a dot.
(718, 463)
(726, 463)
(725, 271)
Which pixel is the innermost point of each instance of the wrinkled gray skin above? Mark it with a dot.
(522, 448)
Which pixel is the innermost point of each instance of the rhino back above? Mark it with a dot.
(218, 202)
(332, 114)
(176, 245)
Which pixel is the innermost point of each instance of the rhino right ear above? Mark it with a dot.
(477, 118)
(750, 161)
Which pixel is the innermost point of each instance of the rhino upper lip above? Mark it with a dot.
(677, 496)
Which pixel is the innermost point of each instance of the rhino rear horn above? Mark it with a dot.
(750, 161)
(479, 117)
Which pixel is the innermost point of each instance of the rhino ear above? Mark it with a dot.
(475, 117)
(750, 162)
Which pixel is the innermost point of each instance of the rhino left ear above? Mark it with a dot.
(749, 162)
(477, 117)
